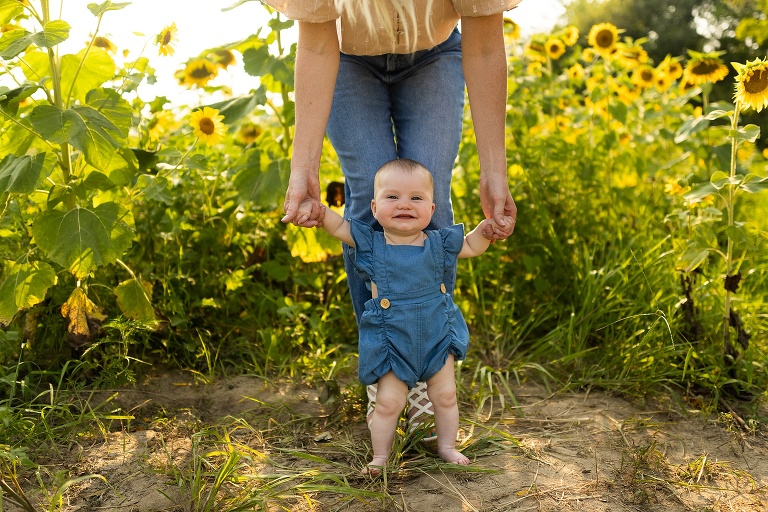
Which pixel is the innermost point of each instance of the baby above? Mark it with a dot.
(411, 330)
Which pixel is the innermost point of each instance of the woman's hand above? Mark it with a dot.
(302, 205)
(497, 203)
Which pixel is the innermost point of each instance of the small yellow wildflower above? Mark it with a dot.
(207, 126)
(576, 72)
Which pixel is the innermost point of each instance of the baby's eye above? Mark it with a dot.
(416, 198)
(391, 197)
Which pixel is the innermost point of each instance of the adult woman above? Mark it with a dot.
(386, 79)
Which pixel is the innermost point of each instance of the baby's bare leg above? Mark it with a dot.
(441, 389)
(390, 401)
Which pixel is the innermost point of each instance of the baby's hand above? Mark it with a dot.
(486, 229)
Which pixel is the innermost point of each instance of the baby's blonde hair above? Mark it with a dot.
(403, 165)
(375, 12)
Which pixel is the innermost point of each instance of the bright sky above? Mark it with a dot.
(203, 25)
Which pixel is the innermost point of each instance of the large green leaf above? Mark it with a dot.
(11, 99)
(111, 105)
(97, 67)
(98, 9)
(83, 239)
(25, 285)
(134, 297)
(9, 9)
(22, 174)
(16, 41)
(261, 186)
(237, 108)
(83, 127)
(36, 65)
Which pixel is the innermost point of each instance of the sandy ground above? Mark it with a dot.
(567, 451)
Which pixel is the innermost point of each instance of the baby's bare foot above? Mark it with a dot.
(451, 454)
(375, 467)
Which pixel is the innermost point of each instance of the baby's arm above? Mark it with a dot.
(475, 243)
(335, 225)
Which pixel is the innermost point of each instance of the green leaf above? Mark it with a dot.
(261, 187)
(53, 33)
(97, 68)
(134, 298)
(83, 239)
(99, 9)
(693, 257)
(12, 98)
(718, 179)
(691, 127)
(237, 108)
(112, 106)
(753, 183)
(154, 188)
(9, 9)
(736, 234)
(16, 140)
(748, 133)
(83, 127)
(25, 285)
(15, 42)
(619, 112)
(717, 114)
(22, 174)
(700, 191)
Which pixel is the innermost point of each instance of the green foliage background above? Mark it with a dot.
(126, 246)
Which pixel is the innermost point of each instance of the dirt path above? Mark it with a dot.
(590, 452)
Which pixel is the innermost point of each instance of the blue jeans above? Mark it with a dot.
(397, 106)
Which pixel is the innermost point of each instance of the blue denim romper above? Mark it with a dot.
(413, 324)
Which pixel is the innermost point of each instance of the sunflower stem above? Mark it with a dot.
(729, 250)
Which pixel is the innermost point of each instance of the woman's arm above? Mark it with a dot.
(484, 61)
(317, 64)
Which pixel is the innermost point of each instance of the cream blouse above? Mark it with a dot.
(356, 39)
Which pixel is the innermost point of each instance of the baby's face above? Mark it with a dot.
(403, 201)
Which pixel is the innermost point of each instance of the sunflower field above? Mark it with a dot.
(135, 235)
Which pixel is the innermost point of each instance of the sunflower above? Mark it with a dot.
(248, 133)
(103, 42)
(570, 35)
(535, 68)
(663, 81)
(555, 48)
(752, 84)
(644, 76)
(165, 39)
(511, 28)
(223, 58)
(670, 66)
(162, 122)
(704, 67)
(536, 50)
(588, 55)
(631, 54)
(603, 38)
(199, 72)
(207, 126)
(575, 72)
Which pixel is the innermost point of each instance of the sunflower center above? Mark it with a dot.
(757, 83)
(207, 126)
(705, 67)
(166, 38)
(646, 75)
(200, 72)
(604, 38)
